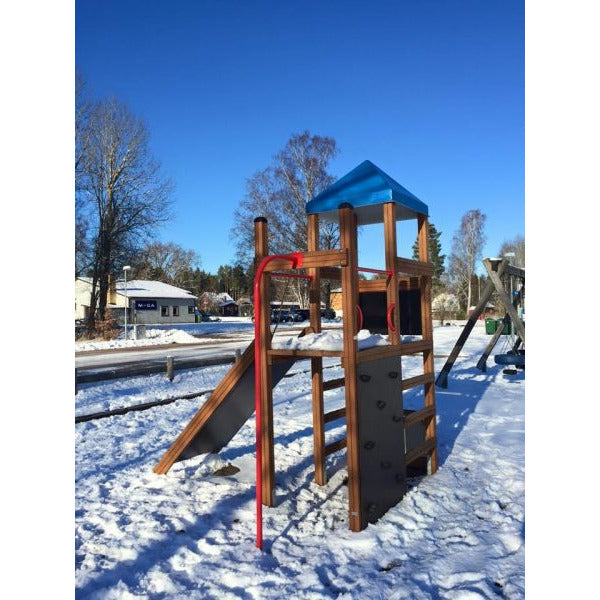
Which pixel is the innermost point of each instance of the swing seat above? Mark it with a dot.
(518, 360)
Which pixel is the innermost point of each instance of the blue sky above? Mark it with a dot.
(432, 92)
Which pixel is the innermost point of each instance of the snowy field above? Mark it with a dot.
(190, 533)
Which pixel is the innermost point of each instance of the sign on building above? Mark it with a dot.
(145, 305)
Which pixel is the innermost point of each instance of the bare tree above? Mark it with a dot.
(119, 189)
(280, 193)
(516, 245)
(167, 262)
(466, 252)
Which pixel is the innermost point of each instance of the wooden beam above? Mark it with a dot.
(332, 384)
(508, 305)
(348, 241)
(481, 363)
(389, 238)
(334, 415)
(427, 330)
(418, 416)
(261, 249)
(421, 450)
(283, 353)
(414, 267)
(314, 295)
(335, 446)
(333, 273)
(442, 378)
(372, 285)
(315, 258)
(417, 380)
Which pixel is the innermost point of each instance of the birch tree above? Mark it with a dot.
(280, 193)
(467, 245)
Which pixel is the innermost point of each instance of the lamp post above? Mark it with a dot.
(125, 269)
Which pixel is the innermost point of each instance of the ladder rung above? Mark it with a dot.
(340, 413)
(419, 415)
(416, 347)
(331, 384)
(421, 450)
(418, 380)
(330, 448)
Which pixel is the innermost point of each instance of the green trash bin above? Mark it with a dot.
(507, 327)
(490, 326)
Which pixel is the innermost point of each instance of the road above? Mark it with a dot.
(101, 360)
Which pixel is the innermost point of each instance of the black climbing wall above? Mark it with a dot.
(374, 308)
(381, 437)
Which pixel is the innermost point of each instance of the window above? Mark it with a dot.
(164, 311)
(175, 311)
(190, 310)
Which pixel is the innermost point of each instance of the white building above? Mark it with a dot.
(150, 302)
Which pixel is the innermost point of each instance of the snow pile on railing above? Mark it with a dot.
(330, 340)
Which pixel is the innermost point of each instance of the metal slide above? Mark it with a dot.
(230, 405)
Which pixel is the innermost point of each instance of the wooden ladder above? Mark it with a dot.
(427, 414)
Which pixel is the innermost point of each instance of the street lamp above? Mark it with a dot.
(125, 269)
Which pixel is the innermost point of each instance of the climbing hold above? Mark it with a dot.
(365, 378)
(386, 464)
(369, 445)
(399, 478)
(381, 404)
(393, 374)
(371, 507)
(397, 418)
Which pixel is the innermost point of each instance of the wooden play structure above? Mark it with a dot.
(504, 279)
(383, 441)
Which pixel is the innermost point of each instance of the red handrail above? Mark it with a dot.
(360, 317)
(296, 258)
(390, 321)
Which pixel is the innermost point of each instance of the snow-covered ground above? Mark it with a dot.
(186, 333)
(190, 533)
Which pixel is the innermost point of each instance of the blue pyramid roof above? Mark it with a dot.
(366, 188)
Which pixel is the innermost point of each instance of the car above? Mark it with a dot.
(327, 313)
(299, 314)
(205, 317)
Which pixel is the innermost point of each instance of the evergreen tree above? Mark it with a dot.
(435, 256)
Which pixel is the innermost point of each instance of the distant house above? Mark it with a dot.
(221, 303)
(148, 302)
(335, 300)
(246, 307)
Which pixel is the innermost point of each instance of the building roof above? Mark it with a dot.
(142, 288)
(366, 188)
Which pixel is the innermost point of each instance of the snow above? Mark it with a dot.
(153, 337)
(190, 533)
(143, 288)
(330, 340)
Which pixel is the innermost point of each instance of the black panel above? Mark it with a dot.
(374, 309)
(231, 414)
(381, 437)
(410, 312)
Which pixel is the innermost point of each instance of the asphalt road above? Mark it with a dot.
(227, 344)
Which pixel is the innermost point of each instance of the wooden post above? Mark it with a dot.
(495, 276)
(348, 242)
(261, 249)
(316, 363)
(427, 332)
(170, 368)
(442, 378)
(391, 251)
